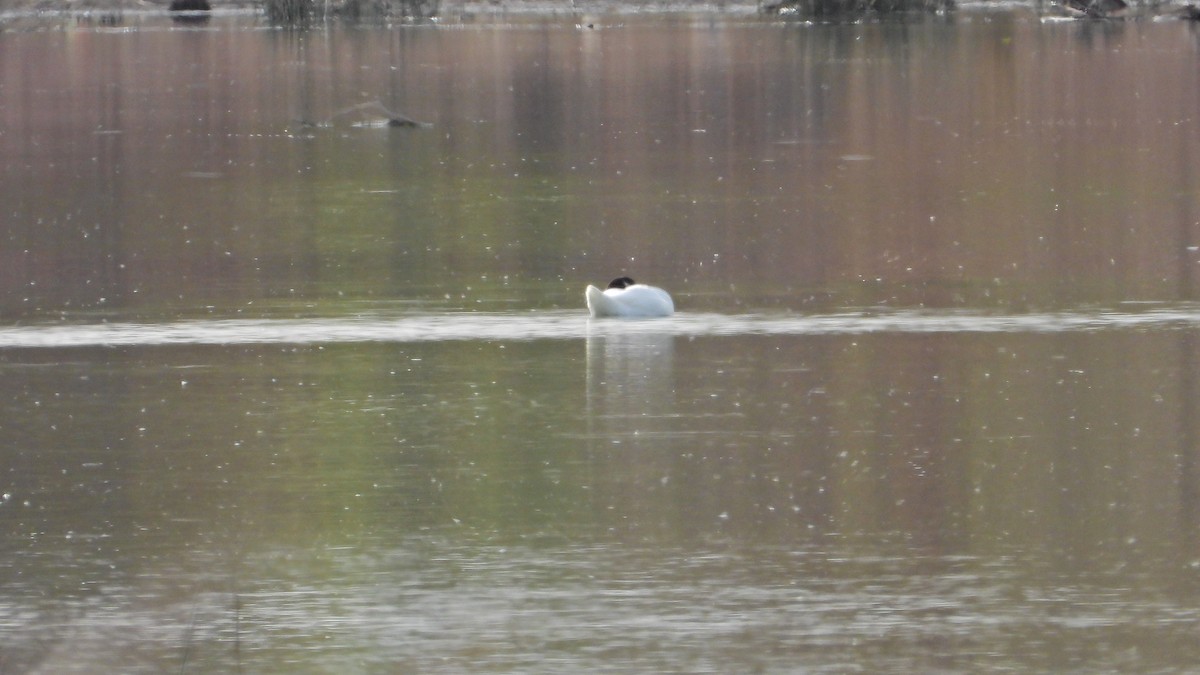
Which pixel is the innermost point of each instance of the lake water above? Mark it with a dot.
(285, 389)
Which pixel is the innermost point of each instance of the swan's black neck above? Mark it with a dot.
(621, 282)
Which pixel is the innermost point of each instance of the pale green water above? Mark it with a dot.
(279, 398)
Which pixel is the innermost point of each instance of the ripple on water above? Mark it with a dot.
(565, 325)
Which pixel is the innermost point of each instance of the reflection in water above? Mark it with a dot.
(716, 154)
(630, 379)
(471, 505)
(1189, 440)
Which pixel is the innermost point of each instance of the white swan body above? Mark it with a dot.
(625, 298)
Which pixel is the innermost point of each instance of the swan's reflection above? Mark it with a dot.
(630, 380)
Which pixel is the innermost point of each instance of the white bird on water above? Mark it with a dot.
(624, 297)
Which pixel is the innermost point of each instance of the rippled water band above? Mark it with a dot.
(565, 325)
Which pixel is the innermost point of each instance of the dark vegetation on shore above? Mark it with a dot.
(290, 12)
(842, 8)
(301, 11)
(305, 12)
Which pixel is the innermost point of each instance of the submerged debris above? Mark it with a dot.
(383, 118)
(390, 118)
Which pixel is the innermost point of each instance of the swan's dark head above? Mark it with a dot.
(621, 282)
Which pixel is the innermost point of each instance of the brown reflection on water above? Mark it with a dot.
(948, 164)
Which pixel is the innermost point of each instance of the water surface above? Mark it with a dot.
(283, 389)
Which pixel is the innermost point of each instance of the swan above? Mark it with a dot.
(626, 298)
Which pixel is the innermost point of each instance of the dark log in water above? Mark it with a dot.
(190, 12)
